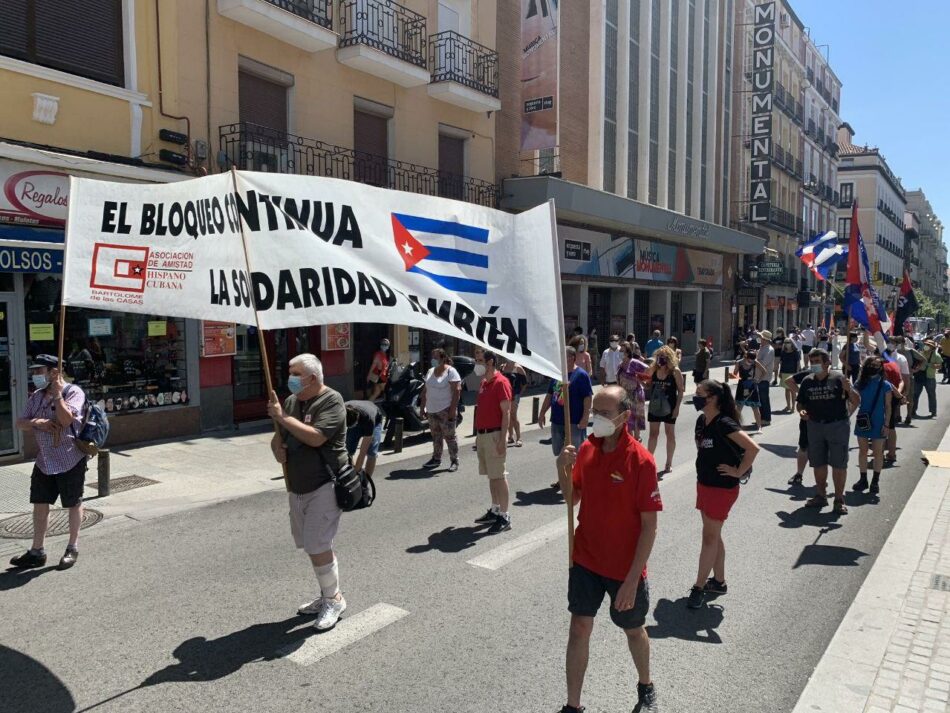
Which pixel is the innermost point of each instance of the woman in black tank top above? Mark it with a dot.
(666, 394)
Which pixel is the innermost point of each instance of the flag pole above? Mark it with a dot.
(568, 491)
(262, 345)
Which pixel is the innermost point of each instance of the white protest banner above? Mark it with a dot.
(151, 248)
(324, 250)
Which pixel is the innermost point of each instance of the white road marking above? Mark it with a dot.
(348, 631)
(510, 551)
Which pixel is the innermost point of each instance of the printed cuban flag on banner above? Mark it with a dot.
(861, 301)
(822, 254)
(428, 247)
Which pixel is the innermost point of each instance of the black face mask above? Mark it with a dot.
(699, 402)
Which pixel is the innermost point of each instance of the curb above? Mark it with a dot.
(843, 678)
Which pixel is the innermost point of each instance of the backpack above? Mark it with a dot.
(94, 429)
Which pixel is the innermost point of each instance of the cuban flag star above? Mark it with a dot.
(822, 254)
(434, 249)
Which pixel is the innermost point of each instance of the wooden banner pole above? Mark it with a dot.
(265, 361)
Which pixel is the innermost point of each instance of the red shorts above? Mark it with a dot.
(715, 502)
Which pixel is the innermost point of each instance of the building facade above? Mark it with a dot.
(785, 161)
(865, 176)
(397, 95)
(929, 269)
(639, 168)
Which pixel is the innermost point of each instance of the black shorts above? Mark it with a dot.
(44, 489)
(660, 419)
(803, 435)
(585, 594)
(895, 415)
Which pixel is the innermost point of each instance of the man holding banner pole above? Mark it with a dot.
(614, 479)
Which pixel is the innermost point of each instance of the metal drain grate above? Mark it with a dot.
(940, 582)
(20, 527)
(126, 482)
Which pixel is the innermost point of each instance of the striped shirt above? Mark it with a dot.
(54, 459)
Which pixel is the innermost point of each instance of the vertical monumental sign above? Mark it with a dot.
(763, 60)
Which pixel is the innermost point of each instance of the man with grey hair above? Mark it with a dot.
(311, 443)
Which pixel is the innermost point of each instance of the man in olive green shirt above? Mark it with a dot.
(311, 444)
(925, 377)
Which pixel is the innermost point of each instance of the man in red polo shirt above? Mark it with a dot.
(615, 482)
(492, 412)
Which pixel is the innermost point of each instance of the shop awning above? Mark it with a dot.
(593, 208)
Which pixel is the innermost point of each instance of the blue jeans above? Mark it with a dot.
(578, 436)
(765, 401)
(931, 386)
(353, 439)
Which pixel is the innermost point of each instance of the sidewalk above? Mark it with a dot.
(199, 471)
(891, 652)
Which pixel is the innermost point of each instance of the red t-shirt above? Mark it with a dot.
(491, 394)
(615, 488)
(892, 373)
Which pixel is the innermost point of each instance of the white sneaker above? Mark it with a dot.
(310, 608)
(332, 609)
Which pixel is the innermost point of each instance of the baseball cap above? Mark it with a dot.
(44, 360)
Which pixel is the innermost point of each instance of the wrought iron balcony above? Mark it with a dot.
(386, 26)
(456, 58)
(257, 148)
(317, 11)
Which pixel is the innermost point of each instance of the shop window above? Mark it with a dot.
(82, 38)
(126, 362)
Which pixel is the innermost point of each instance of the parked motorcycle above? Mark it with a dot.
(402, 399)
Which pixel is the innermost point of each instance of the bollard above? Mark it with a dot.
(397, 436)
(725, 378)
(535, 408)
(103, 472)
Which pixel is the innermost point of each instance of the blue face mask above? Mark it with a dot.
(40, 381)
(435, 362)
(816, 368)
(295, 384)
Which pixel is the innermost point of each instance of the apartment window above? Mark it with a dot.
(262, 102)
(610, 97)
(690, 66)
(451, 166)
(633, 101)
(654, 99)
(82, 38)
(674, 77)
(371, 142)
(844, 227)
(262, 110)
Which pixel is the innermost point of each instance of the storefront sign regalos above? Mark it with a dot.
(763, 61)
(318, 251)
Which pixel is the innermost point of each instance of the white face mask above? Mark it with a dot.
(479, 370)
(614, 345)
(602, 426)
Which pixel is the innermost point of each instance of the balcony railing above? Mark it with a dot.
(456, 58)
(257, 148)
(386, 26)
(318, 11)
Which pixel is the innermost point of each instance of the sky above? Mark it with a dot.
(893, 59)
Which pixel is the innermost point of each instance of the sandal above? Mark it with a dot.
(839, 507)
(818, 501)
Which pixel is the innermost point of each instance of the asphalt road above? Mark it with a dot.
(196, 612)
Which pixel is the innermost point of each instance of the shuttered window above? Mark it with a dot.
(371, 141)
(262, 102)
(82, 37)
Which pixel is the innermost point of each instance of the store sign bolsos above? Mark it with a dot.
(30, 260)
(763, 77)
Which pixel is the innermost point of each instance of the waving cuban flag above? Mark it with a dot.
(450, 254)
(861, 301)
(822, 254)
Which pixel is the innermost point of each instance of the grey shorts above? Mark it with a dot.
(828, 443)
(314, 519)
(585, 594)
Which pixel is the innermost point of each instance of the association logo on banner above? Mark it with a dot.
(122, 273)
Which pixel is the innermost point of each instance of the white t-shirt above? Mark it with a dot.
(901, 363)
(766, 357)
(808, 337)
(610, 363)
(439, 389)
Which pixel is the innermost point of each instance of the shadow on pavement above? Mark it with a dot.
(13, 578)
(796, 493)
(675, 621)
(28, 686)
(451, 539)
(809, 517)
(544, 496)
(412, 474)
(779, 450)
(829, 556)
